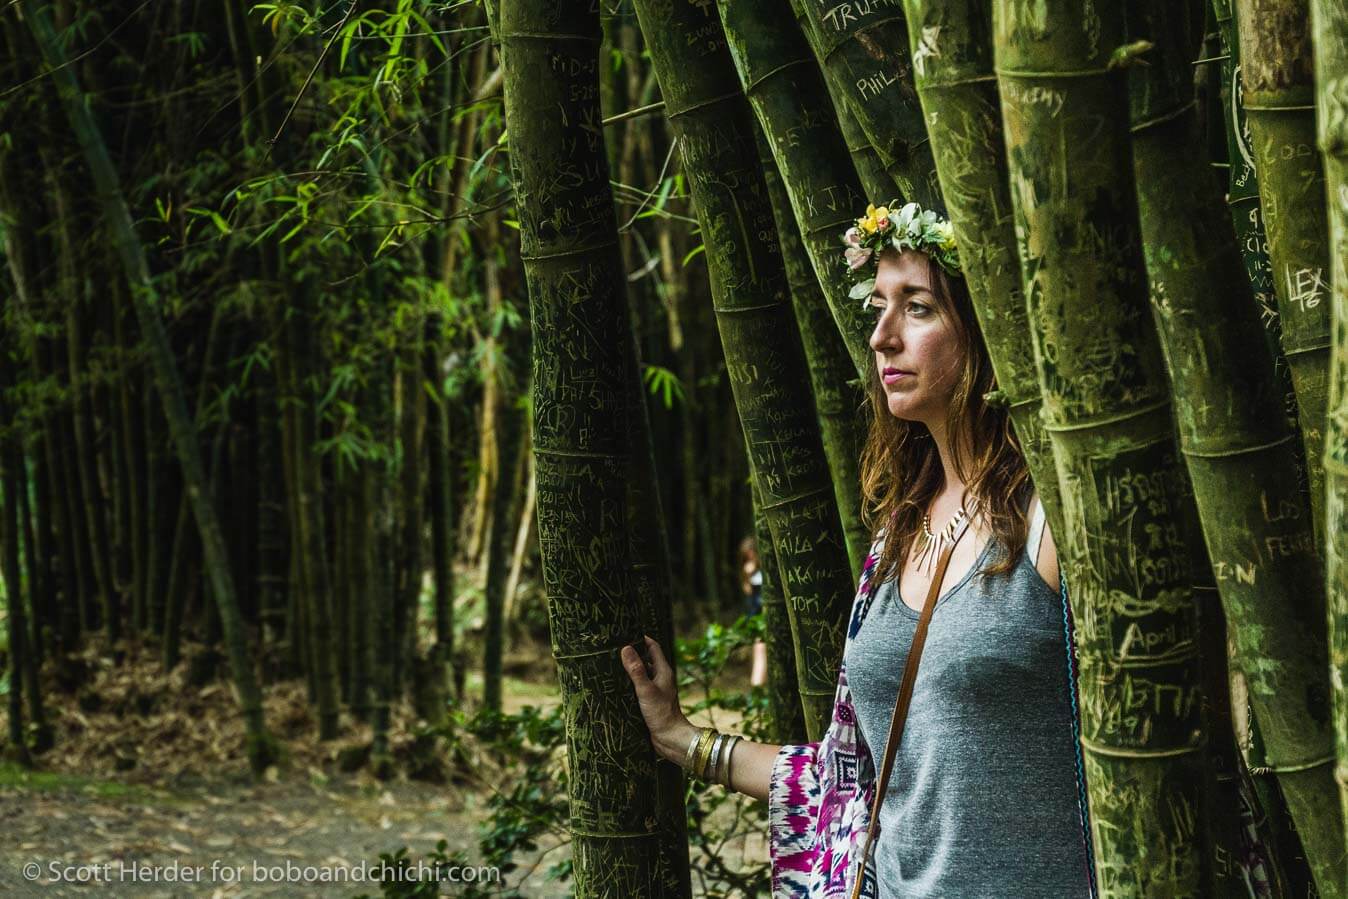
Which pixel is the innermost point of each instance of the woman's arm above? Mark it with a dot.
(671, 732)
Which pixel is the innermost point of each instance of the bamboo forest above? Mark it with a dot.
(444, 447)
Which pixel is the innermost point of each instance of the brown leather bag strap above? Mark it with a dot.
(901, 703)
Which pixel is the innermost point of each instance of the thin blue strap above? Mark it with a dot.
(1068, 633)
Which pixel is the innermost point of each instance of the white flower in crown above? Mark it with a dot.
(911, 228)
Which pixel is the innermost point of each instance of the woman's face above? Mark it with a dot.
(917, 349)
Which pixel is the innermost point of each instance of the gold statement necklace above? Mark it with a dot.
(934, 544)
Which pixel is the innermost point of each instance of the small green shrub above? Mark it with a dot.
(520, 760)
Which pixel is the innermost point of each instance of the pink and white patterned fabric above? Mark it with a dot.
(821, 792)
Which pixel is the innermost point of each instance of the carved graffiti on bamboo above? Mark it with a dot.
(973, 137)
(1115, 846)
(847, 16)
(833, 199)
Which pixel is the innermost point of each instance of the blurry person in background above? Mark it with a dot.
(751, 584)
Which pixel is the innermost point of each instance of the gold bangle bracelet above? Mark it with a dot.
(692, 748)
(703, 750)
(706, 753)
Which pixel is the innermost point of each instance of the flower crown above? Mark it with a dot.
(913, 228)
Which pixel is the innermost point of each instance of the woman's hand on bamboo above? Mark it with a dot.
(658, 697)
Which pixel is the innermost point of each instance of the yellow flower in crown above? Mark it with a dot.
(870, 223)
(875, 219)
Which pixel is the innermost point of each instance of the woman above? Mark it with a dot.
(751, 585)
(986, 797)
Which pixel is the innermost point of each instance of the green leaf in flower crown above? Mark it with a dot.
(862, 289)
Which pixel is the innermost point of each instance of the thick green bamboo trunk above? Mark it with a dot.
(788, 95)
(1243, 201)
(869, 168)
(1232, 870)
(261, 748)
(837, 398)
(958, 90)
(1107, 410)
(864, 48)
(652, 579)
(764, 358)
(785, 712)
(1331, 71)
(1240, 453)
(1242, 197)
(809, 173)
(583, 440)
(1276, 72)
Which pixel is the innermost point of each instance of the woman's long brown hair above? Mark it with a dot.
(901, 469)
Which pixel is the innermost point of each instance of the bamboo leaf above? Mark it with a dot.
(221, 225)
(664, 383)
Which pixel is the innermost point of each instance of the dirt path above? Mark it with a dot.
(148, 783)
(213, 832)
(148, 774)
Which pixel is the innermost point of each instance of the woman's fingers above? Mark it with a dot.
(658, 663)
(636, 669)
(652, 676)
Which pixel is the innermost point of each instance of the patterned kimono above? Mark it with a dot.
(821, 793)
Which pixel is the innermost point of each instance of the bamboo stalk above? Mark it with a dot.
(625, 839)
(1330, 20)
(787, 93)
(1107, 411)
(864, 48)
(837, 399)
(1276, 71)
(1238, 448)
(1242, 198)
(764, 358)
(869, 167)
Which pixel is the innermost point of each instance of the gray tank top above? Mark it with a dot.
(983, 798)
